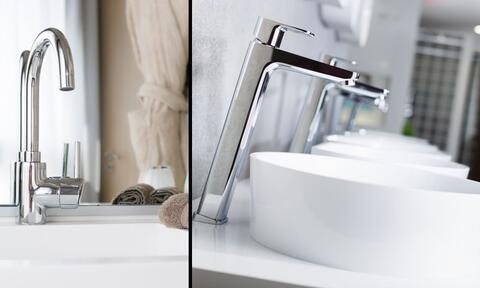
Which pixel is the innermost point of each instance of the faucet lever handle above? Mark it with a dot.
(271, 32)
(335, 60)
(65, 160)
(76, 160)
(285, 28)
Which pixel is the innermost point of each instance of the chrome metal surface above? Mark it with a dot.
(271, 32)
(14, 195)
(33, 190)
(53, 39)
(264, 57)
(359, 92)
(88, 210)
(315, 96)
(65, 160)
(306, 133)
(76, 160)
(352, 115)
(314, 125)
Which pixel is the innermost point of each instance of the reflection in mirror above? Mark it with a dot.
(128, 108)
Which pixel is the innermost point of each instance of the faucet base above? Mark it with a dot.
(35, 217)
(27, 179)
(208, 220)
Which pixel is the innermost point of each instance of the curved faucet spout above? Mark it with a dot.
(55, 39)
(31, 188)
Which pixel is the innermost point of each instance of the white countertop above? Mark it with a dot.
(100, 251)
(229, 249)
(146, 274)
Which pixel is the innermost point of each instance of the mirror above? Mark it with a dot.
(108, 109)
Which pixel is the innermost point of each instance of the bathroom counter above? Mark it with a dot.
(124, 274)
(229, 250)
(76, 250)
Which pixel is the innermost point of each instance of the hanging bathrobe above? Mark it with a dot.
(158, 131)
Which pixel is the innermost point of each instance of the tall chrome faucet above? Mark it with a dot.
(32, 190)
(364, 93)
(264, 56)
(313, 104)
(359, 92)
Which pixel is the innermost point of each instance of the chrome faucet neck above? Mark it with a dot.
(363, 93)
(263, 58)
(359, 92)
(32, 189)
(55, 40)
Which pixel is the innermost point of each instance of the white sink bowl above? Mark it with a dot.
(376, 133)
(364, 216)
(92, 242)
(410, 159)
(384, 143)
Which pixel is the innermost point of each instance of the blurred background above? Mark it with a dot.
(426, 52)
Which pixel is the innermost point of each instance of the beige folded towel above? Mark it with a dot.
(158, 196)
(184, 219)
(144, 194)
(174, 212)
(135, 195)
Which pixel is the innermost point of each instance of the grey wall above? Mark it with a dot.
(390, 52)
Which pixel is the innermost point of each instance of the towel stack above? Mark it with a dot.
(174, 212)
(144, 194)
(174, 208)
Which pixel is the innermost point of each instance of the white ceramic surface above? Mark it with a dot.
(377, 133)
(91, 241)
(228, 249)
(364, 216)
(384, 143)
(410, 159)
(93, 255)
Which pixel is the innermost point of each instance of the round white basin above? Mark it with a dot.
(383, 143)
(377, 133)
(365, 216)
(410, 159)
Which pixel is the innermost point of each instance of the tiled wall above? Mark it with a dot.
(469, 148)
(433, 82)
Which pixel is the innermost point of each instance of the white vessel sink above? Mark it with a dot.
(364, 216)
(384, 143)
(410, 159)
(376, 133)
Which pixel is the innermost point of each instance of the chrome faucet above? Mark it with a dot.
(364, 93)
(32, 190)
(359, 92)
(264, 57)
(314, 101)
